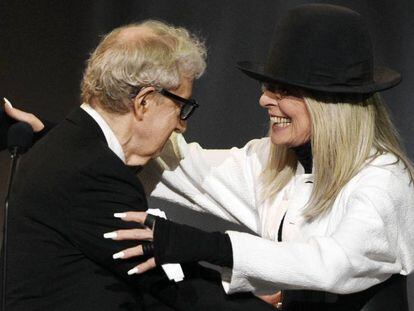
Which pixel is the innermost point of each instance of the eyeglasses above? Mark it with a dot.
(187, 105)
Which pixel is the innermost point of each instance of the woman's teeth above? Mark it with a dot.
(280, 121)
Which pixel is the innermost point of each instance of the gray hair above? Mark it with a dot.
(153, 53)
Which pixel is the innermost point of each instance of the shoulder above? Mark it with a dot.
(106, 181)
(385, 171)
(258, 149)
(253, 155)
(106, 167)
(258, 145)
(72, 151)
(385, 184)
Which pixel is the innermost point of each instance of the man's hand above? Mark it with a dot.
(145, 234)
(20, 115)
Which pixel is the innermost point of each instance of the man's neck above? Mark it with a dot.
(123, 127)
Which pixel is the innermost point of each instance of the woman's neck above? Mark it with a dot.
(304, 156)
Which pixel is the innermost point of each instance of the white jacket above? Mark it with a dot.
(365, 238)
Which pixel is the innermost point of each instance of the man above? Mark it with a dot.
(135, 93)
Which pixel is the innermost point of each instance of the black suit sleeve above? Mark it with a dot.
(103, 189)
(100, 190)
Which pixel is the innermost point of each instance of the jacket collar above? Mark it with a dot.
(111, 139)
(82, 119)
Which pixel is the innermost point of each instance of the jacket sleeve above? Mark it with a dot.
(100, 190)
(220, 182)
(370, 243)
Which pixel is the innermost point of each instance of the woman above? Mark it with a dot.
(339, 221)
(330, 191)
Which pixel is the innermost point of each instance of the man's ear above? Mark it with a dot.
(140, 102)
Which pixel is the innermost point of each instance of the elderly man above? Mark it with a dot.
(135, 93)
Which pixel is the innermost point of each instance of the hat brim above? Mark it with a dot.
(384, 78)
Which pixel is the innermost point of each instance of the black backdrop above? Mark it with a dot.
(44, 44)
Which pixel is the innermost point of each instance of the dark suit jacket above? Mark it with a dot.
(65, 194)
(63, 199)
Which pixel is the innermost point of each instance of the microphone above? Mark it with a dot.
(19, 140)
(5, 123)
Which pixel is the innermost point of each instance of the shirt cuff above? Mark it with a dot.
(236, 280)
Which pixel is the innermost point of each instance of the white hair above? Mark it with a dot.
(141, 54)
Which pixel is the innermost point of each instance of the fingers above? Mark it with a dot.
(129, 252)
(138, 217)
(130, 234)
(272, 299)
(133, 234)
(20, 115)
(147, 265)
(143, 267)
(133, 252)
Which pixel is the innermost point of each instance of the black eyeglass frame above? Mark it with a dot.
(185, 113)
(184, 102)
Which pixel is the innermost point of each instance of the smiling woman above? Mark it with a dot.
(330, 191)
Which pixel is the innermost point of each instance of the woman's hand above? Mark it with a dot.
(169, 242)
(20, 115)
(140, 235)
(272, 299)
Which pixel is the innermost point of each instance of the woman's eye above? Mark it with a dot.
(267, 87)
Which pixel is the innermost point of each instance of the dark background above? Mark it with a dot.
(44, 44)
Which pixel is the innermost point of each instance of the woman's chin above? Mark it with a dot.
(280, 135)
(279, 142)
(279, 139)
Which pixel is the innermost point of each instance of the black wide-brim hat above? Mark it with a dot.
(325, 48)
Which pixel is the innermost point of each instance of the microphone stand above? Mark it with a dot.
(14, 158)
(19, 140)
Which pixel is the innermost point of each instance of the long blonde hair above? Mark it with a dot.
(343, 138)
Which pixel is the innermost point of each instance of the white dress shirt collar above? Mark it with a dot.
(113, 142)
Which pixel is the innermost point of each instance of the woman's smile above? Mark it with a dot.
(280, 122)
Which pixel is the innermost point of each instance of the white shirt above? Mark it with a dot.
(111, 139)
(365, 238)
